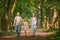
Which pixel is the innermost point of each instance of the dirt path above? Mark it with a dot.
(39, 35)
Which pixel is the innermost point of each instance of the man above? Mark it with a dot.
(17, 22)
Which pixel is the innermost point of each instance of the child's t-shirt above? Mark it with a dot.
(25, 24)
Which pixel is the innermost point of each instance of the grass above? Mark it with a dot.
(53, 38)
(6, 32)
(52, 31)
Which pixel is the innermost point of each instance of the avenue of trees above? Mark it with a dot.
(49, 12)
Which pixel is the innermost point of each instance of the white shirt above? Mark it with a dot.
(18, 20)
(33, 20)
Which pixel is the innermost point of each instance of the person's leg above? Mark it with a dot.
(19, 29)
(25, 32)
(32, 30)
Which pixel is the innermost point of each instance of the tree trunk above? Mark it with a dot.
(6, 16)
(58, 33)
(39, 16)
(3, 20)
(49, 17)
(0, 23)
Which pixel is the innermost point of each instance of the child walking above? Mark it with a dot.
(25, 26)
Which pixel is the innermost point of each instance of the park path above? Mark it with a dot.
(40, 35)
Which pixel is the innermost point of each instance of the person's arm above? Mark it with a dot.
(35, 21)
(21, 21)
(30, 21)
(27, 23)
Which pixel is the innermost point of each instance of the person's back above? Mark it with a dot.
(33, 20)
(26, 24)
(17, 22)
(33, 24)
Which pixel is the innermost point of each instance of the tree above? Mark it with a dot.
(7, 6)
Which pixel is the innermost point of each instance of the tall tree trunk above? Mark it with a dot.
(55, 17)
(6, 16)
(7, 12)
(39, 16)
(58, 33)
(0, 23)
(49, 16)
(3, 20)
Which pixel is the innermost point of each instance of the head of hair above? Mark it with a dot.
(33, 15)
(18, 13)
(25, 19)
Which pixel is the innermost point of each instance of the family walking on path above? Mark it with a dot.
(18, 23)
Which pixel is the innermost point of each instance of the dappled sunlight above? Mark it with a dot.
(43, 25)
(14, 5)
(29, 34)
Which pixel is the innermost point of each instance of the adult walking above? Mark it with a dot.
(33, 22)
(18, 22)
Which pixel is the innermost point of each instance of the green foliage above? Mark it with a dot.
(6, 33)
(26, 8)
(2, 9)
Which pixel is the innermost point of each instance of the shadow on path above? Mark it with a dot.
(24, 38)
(39, 35)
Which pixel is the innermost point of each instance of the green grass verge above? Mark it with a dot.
(52, 31)
(6, 32)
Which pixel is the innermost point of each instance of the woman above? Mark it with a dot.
(33, 22)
